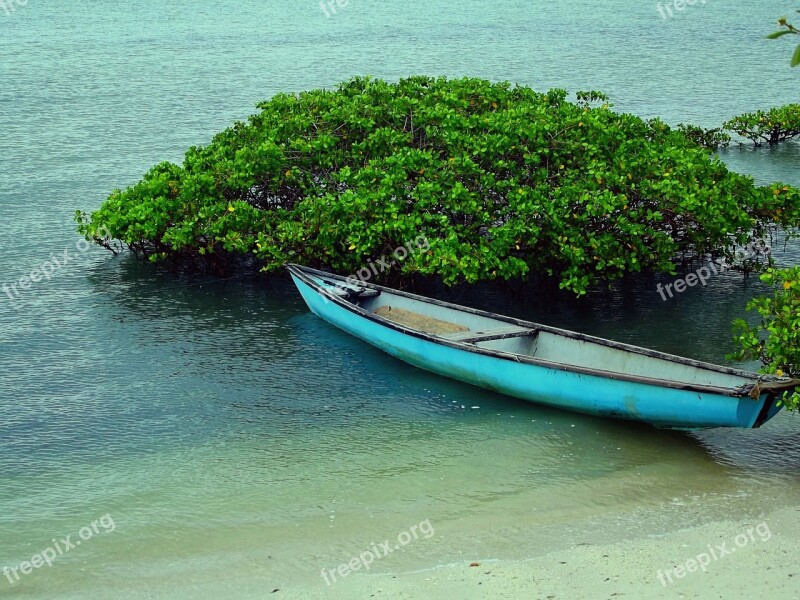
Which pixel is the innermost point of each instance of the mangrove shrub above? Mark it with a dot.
(501, 180)
(773, 126)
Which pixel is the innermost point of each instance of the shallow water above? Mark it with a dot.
(239, 443)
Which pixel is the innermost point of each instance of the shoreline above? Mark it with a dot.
(746, 559)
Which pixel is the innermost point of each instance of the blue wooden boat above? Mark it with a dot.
(543, 364)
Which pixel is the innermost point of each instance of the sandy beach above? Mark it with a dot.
(754, 559)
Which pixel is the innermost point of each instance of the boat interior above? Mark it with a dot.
(496, 334)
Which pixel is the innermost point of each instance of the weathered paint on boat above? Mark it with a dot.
(543, 364)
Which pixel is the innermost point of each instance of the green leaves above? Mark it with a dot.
(789, 29)
(775, 340)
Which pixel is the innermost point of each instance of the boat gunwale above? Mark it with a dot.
(740, 391)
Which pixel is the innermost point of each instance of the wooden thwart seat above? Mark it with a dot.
(497, 333)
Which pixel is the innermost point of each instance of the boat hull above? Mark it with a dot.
(556, 387)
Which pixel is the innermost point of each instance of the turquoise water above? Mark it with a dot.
(241, 445)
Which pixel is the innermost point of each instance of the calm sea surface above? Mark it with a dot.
(238, 443)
